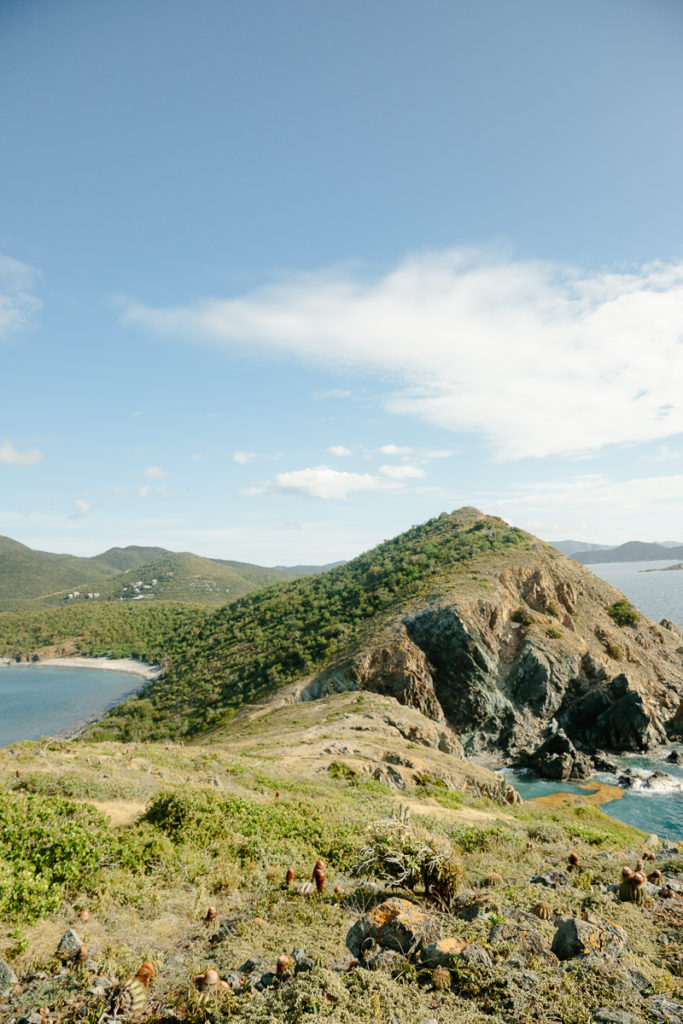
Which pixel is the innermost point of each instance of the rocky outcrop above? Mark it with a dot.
(399, 670)
(532, 666)
(559, 759)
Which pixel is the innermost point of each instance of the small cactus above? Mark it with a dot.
(441, 979)
(283, 966)
(492, 879)
(542, 910)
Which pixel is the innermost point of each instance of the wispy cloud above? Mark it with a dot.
(340, 450)
(323, 482)
(536, 358)
(587, 502)
(18, 303)
(395, 449)
(81, 507)
(155, 473)
(402, 472)
(11, 456)
(243, 457)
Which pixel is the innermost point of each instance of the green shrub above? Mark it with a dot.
(49, 848)
(623, 613)
(615, 652)
(553, 633)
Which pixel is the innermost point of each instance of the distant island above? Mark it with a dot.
(665, 568)
(631, 551)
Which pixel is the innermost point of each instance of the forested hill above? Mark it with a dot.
(221, 659)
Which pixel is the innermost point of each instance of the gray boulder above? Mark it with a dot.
(69, 944)
(557, 758)
(665, 1011)
(7, 977)
(576, 937)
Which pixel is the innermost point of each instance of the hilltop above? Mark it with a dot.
(477, 625)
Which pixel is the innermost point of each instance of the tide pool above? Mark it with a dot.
(44, 700)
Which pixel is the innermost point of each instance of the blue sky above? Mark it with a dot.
(278, 280)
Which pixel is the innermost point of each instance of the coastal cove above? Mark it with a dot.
(60, 696)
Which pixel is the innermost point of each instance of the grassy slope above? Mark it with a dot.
(222, 827)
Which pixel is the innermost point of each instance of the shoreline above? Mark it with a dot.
(126, 665)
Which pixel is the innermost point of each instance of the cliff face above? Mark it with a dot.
(530, 665)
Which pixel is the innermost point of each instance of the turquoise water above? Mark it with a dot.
(656, 808)
(39, 700)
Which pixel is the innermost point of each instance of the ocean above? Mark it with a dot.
(657, 807)
(42, 700)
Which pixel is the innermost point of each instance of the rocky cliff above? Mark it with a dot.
(527, 662)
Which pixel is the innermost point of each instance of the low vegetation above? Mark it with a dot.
(208, 827)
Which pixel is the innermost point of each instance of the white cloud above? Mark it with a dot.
(198, 457)
(11, 456)
(243, 457)
(322, 482)
(144, 492)
(536, 358)
(155, 473)
(587, 502)
(402, 472)
(339, 450)
(18, 304)
(395, 449)
(82, 505)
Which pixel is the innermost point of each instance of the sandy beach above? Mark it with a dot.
(138, 668)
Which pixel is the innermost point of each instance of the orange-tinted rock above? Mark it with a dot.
(441, 953)
(395, 924)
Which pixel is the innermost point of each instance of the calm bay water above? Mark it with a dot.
(40, 700)
(658, 594)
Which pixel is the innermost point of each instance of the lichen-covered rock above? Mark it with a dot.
(575, 937)
(388, 960)
(441, 953)
(7, 977)
(69, 944)
(552, 879)
(476, 956)
(522, 938)
(395, 924)
(665, 1011)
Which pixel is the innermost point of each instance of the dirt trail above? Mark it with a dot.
(119, 812)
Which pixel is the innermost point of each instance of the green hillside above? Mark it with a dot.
(131, 557)
(31, 578)
(189, 578)
(28, 575)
